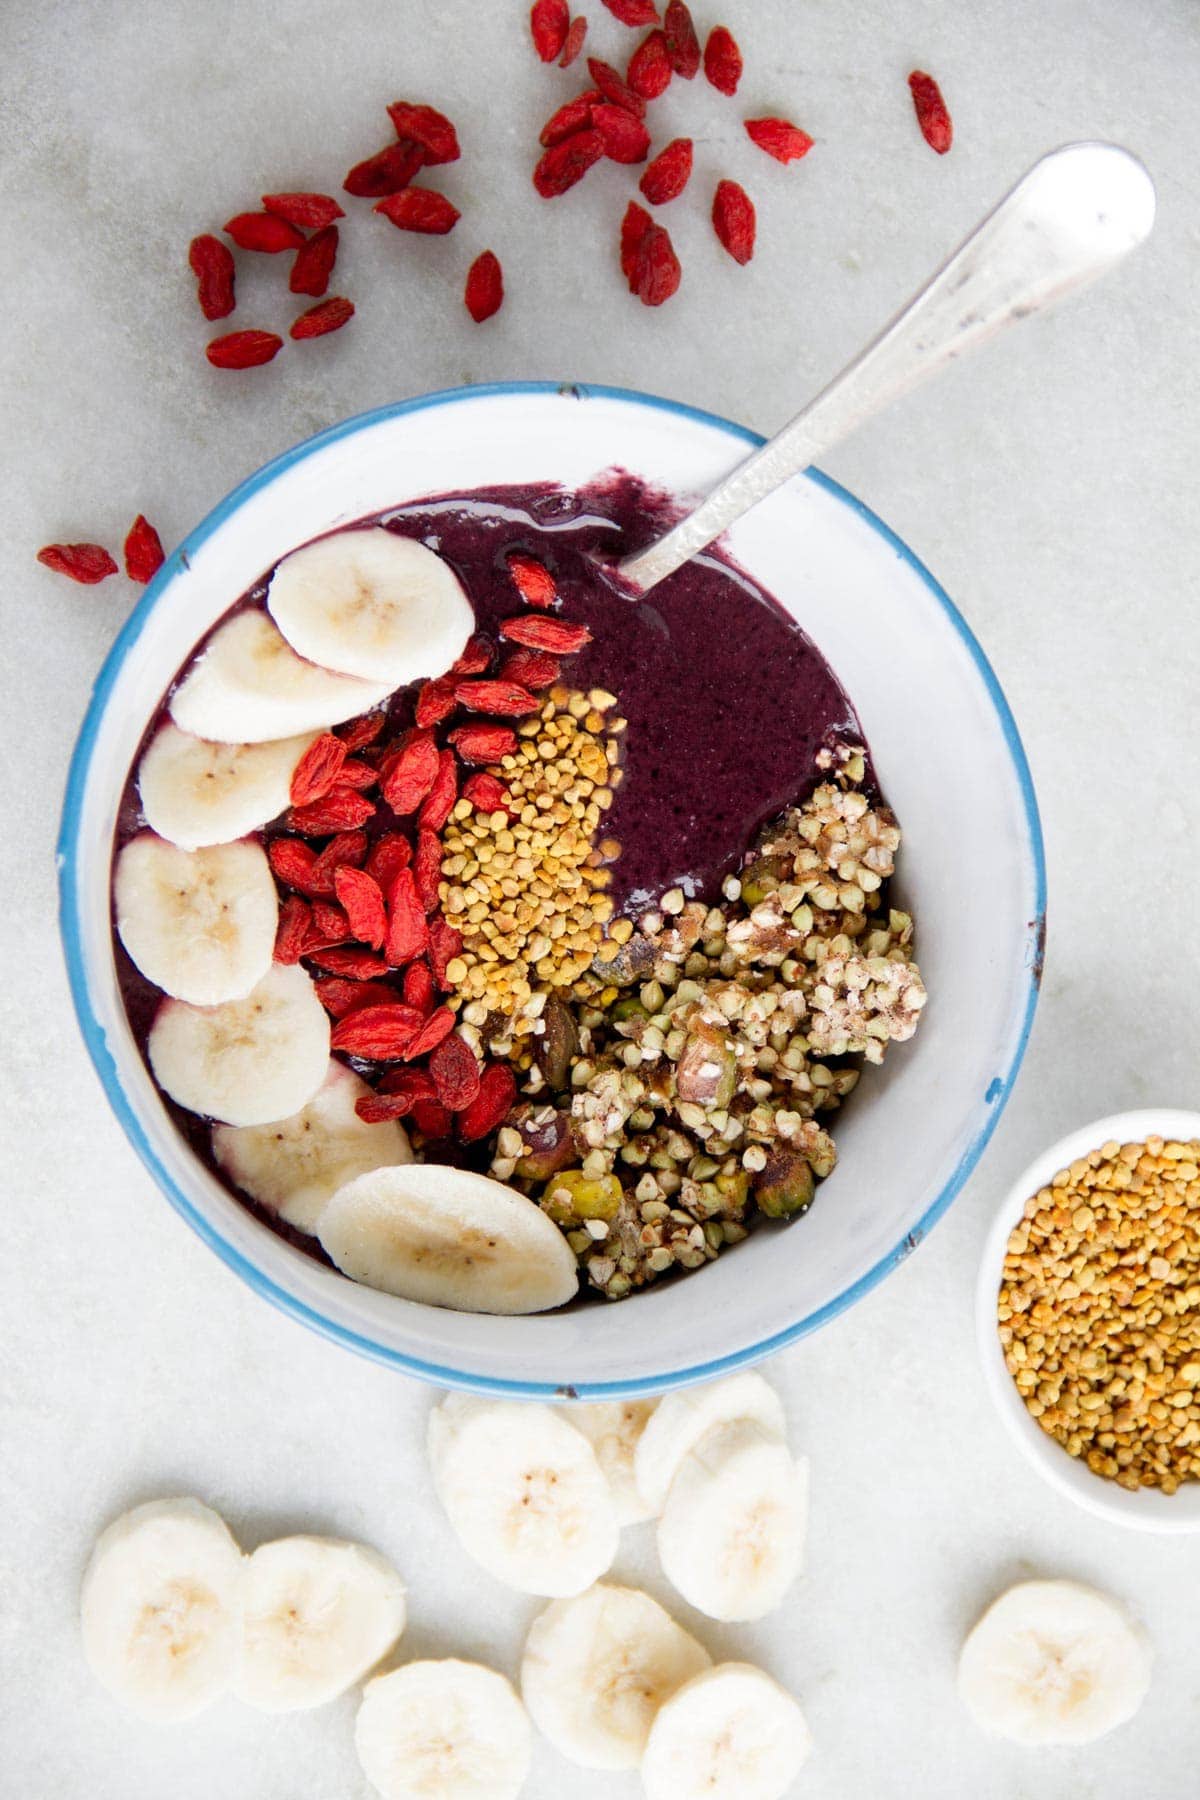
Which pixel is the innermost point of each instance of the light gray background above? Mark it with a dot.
(1050, 485)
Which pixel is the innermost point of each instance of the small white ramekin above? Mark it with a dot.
(1146, 1509)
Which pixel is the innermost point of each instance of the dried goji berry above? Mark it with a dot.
(567, 162)
(575, 115)
(683, 46)
(487, 794)
(427, 868)
(361, 732)
(386, 172)
(340, 996)
(491, 1105)
(389, 854)
(626, 139)
(358, 774)
(309, 211)
(330, 925)
(484, 743)
(374, 1109)
(408, 775)
(417, 1082)
(143, 550)
(326, 316)
(425, 126)
(533, 669)
(314, 263)
(408, 934)
(733, 220)
(432, 1119)
(534, 581)
(649, 72)
(574, 42)
(633, 12)
(211, 262)
(243, 349)
(354, 965)
(779, 138)
(360, 894)
(933, 115)
(437, 1026)
(420, 989)
(549, 21)
(376, 1033)
(484, 292)
(666, 177)
(293, 930)
(436, 700)
(507, 699)
(538, 632)
(293, 863)
(318, 769)
(340, 810)
(476, 655)
(656, 271)
(605, 77)
(444, 945)
(440, 801)
(455, 1072)
(345, 851)
(420, 209)
(262, 231)
(722, 60)
(634, 226)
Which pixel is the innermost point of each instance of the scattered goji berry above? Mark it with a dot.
(722, 60)
(574, 42)
(432, 1119)
(324, 317)
(567, 162)
(437, 1026)
(314, 263)
(538, 632)
(425, 126)
(340, 996)
(656, 270)
(734, 220)
(407, 776)
(417, 1082)
(386, 172)
(361, 732)
(143, 550)
(399, 1091)
(486, 794)
(389, 854)
(666, 177)
(294, 863)
(408, 934)
(534, 581)
(341, 810)
(243, 349)
(211, 262)
(374, 1109)
(484, 743)
(427, 868)
(626, 139)
(330, 926)
(649, 72)
(318, 769)
(933, 115)
(293, 930)
(360, 894)
(440, 801)
(683, 46)
(376, 1033)
(262, 231)
(436, 700)
(358, 774)
(476, 655)
(633, 12)
(348, 850)
(420, 209)
(532, 669)
(507, 699)
(491, 1105)
(444, 945)
(420, 989)
(484, 292)
(455, 1072)
(310, 211)
(575, 115)
(605, 77)
(549, 21)
(779, 138)
(634, 226)
(353, 965)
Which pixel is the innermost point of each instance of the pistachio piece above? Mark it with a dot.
(785, 1187)
(557, 1045)
(546, 1139)
(706, 1074)
(573, 1195)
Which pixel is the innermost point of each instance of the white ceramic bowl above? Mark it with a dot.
(950, 760)
(1145, 1509)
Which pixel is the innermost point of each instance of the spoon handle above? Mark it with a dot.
(1076, 213)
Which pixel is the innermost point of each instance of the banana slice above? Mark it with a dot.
(194, 793)
(525, 1495)
(730, 1734)
(318, 1613)
(1053, 1662)
(731, 1536)
(248, 686)
(293, 1166)
(249, 1061)
(682, 1418)
(161, 1608)
(199, 924)
(371, 604)
(448, 1238)
(443, 1731)
(596, 1670)
(612, 1428)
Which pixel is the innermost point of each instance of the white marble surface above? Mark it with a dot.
(1050, 485)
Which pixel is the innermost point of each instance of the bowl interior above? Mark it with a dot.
(949, 760)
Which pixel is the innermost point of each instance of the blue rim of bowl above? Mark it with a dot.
(70, 901)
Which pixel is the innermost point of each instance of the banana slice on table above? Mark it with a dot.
(293, 1166)
(597, 1668)
(1053, 1662)
(318, 1614)
(248, 1061)
(731, 1535)
(372, 604)
(199, 924)
(730, 1734)
(161, 1608)
(613, 1428)
(524, 1493)
(443, 1731)
(448, 1238)
(248, 685)
(681, 1419)
(196, 793)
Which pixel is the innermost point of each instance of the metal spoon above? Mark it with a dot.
(1075, 214)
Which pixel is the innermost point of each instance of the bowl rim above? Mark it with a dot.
(71, 901)
(1146, 1508)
